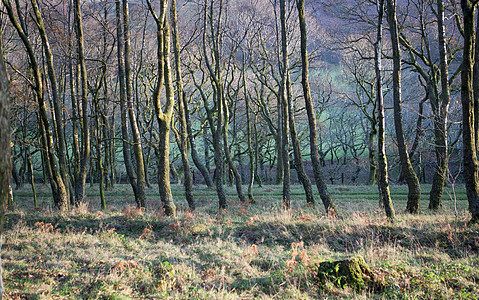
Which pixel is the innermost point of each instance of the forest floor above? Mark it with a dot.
(247, 251)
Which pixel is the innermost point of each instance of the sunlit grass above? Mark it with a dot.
(243, 252)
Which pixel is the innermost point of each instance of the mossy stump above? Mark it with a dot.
(353, 272)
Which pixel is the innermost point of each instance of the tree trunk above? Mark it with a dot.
(85, 141)
(383, 180)
(414, 188)
(251, 154)
(59, 191)
(372, 178)
(313, 135)
(183, 134)
(132, 177)
(471, 176)
(284, 109)
(440, 118)
(137, 147)
(5, 151)
(298, 156)
(57, 105)
(164, 113)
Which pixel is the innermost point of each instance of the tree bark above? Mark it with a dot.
(164, 113)
(471, 176)
(5, 151)
(383, 180)
(85, 141)
(414, 194)
(284, 109)
(440, 118)
(298, 156)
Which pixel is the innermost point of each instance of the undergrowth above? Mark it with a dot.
(247, 251)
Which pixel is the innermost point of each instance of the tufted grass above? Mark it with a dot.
(244, 252)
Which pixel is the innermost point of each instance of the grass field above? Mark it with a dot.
(247, 251)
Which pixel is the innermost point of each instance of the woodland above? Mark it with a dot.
(193, 149)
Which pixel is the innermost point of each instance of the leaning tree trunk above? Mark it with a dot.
(414, 188)
(57, 105)
(5, 151)
(313, 135)
(471, 165)
(383, 181)
(298, 157)
(59, 191)
(137, 147)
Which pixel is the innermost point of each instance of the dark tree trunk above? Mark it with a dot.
(414, 188)
(85, 141)
(313, 135)
(5, 151)
(471, 176)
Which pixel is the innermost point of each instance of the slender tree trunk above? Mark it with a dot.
(383, 180)
(251, 154)
(135, 132)
(57, 105)
(59, 191)
(440, 118)
(414, 188)
(183, 136)
(5, 151)
(313, 135)
(32, 179)
(298, 157)
(85, 141)
(284, 109)
(233, 171)
(475, 82)
(372, 178)
(204, 170)
(471, 176)
(124, 107)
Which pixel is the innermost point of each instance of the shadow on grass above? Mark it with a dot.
(354, 238)
(349, 239)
